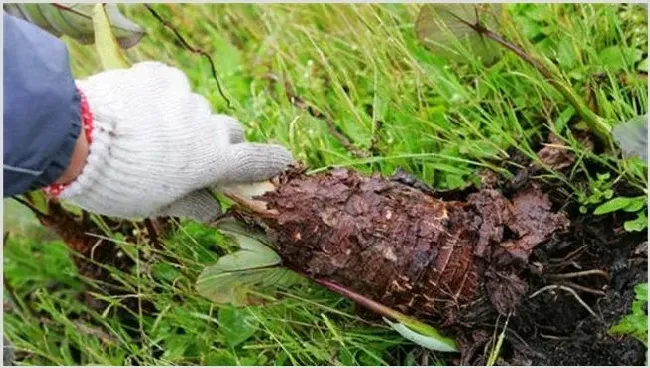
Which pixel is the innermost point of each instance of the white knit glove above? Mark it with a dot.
(156, 145)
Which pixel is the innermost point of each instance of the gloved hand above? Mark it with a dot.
(156, 145)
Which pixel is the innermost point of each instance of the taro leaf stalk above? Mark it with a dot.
(437, 23)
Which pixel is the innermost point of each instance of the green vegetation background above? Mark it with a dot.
(364, 67)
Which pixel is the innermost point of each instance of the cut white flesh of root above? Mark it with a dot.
(243, 194)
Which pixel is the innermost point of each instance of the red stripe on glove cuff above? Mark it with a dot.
(87, 125)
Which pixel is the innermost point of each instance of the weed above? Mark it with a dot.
(636, 322)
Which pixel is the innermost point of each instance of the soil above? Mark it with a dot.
(562, 331)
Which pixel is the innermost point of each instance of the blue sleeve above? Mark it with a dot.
(41, 114)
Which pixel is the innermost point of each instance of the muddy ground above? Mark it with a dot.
(556, 326)
(553, 324)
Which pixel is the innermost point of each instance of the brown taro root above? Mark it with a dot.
(406, 249)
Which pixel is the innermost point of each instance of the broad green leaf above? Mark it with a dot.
(346, 357)
(427, 330)
(638, 224)
(76, 21)
(165, 271)
(613, 205)
(242, 287)
(530, 28)
(38, 199)
(175, 348)
(453, 181)
(632, 136)
(603, 177)
(20, 221)
(109, 52)
(438, 26)
(618, 57)
(567, 54)
(424, 339)
(235, 228)
(232, 226)
(637, 204)
(253, 242)
(641, 291)
(236, 325)
(636, 322)
(236, 278)
(253, 255)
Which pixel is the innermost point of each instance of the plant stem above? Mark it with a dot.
(376, 307)
(595, 122)
(191, 49)
(30, 206)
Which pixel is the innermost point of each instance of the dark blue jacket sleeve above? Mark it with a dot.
(41, 107)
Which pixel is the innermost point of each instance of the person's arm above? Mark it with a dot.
(42, 121)
(152, 145)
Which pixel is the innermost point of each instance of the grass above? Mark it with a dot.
(363, 66)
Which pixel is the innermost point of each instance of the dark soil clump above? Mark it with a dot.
(567, 334)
